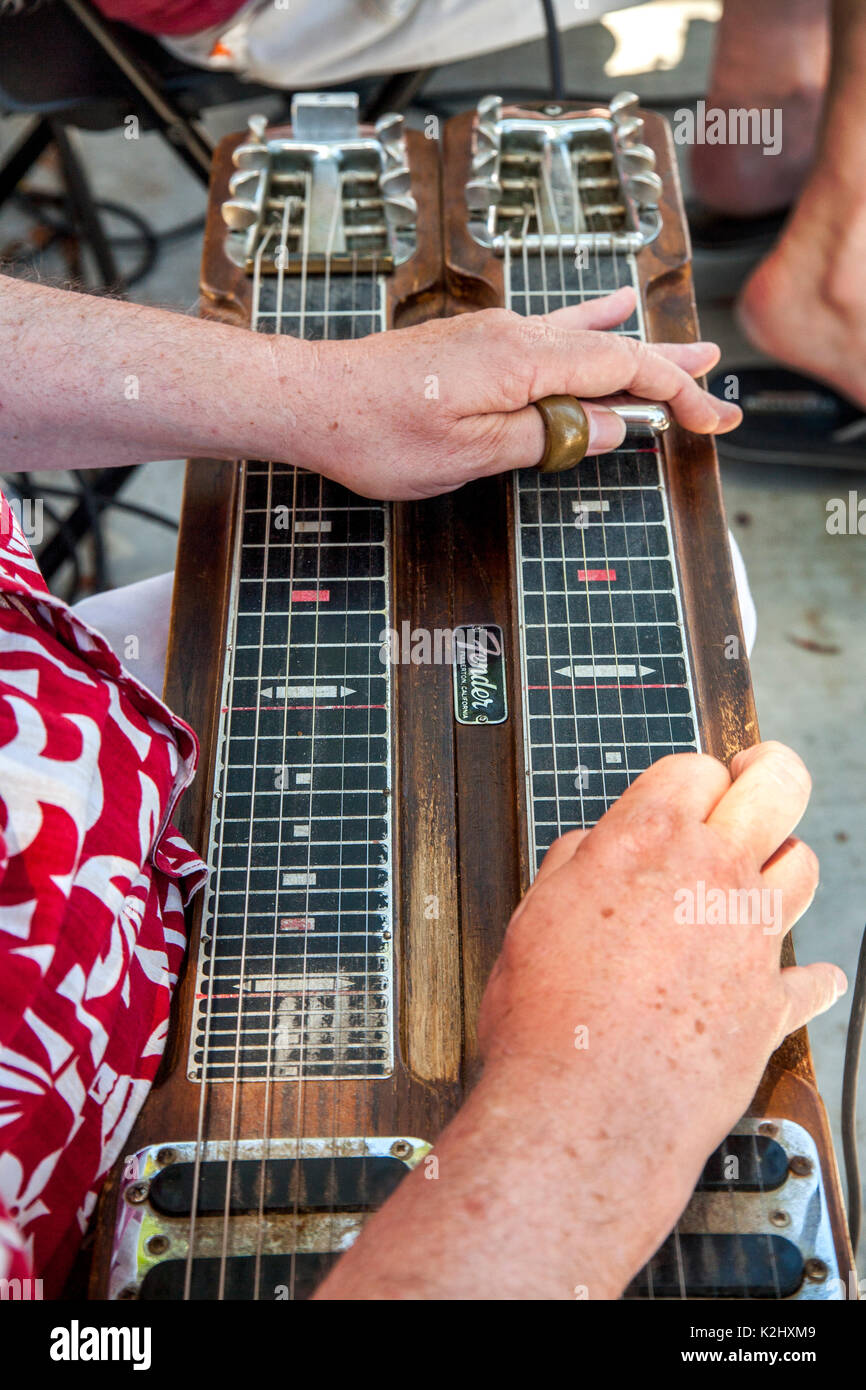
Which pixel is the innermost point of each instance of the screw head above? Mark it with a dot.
(800, 1165)
(769, 1129)
(137, 1192)
(157, 1245)
(780, 1218)
(166, 1156)
(816, 1270)
(401, 1148)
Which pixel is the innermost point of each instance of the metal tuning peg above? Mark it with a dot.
(637, 159)
(624, 106)
(645, 189)
(629, 132)
(488, 139)
(244, 179)
(401, 213)
(489, 110)
(390, 129)
(484, 164)
(397, 182)
(482, 195)
(239, 214)
(257, 125)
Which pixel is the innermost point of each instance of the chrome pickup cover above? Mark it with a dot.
(146, 1236)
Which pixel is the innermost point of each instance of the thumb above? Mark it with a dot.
(811, 990)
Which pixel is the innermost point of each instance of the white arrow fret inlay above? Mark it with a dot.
(616, 669)
(305, 692)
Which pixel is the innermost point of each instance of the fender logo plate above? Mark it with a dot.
(479, 675)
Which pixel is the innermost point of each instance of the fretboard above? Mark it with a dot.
(605, 669)
(295, 973)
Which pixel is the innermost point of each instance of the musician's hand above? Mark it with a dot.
(616, 1002)
(424, 410)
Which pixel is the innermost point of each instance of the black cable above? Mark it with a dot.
(38, 205)
(554, 50)
(41, 207)
(94, 517)
(105, 503)
(850, 1077)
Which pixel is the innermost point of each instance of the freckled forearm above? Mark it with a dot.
(88, 382)
(536, 1196)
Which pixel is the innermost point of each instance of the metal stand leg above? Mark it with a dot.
(83, 209)
(36, 138)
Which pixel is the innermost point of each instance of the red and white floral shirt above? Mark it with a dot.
(93, 880)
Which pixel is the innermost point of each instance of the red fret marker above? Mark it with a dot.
(311, 595)
(297, 924)
(602, 575)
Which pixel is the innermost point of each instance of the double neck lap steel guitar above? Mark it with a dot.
(370, 823)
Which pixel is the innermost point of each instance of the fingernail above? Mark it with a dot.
(841, 983)
(606, 431)
(732, 417)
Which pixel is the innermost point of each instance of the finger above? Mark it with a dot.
(811, 990)
(697, 359)
(607, 311)
(606, 431)
(768, 795)
(791, 878)
(600, 312)
(692, 782)
(521, 441)
(559, 362)
(694, 358)
(562, 851)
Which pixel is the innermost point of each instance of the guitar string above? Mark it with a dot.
(270, 1039)
(638, 653)
(234, 1117)
(601, 463)
(269, 521)
(526, 282)
(302, 1033)
(338, 950)
(577, 221)
(368, 1083)
(734, 1205)
(541, 491)
(576, 218)
(611, 230)
(206, 1080)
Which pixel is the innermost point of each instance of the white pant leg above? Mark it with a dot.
(309, 43)
(134, 621)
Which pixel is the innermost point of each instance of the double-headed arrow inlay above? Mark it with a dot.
(615, 669)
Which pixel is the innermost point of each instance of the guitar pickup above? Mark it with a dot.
(276, 1185)
(270, 1216)
(745, 1163)
(721, 1266)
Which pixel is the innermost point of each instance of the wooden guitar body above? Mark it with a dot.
(255, 1161)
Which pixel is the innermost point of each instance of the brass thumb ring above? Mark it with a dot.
(566, 430)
